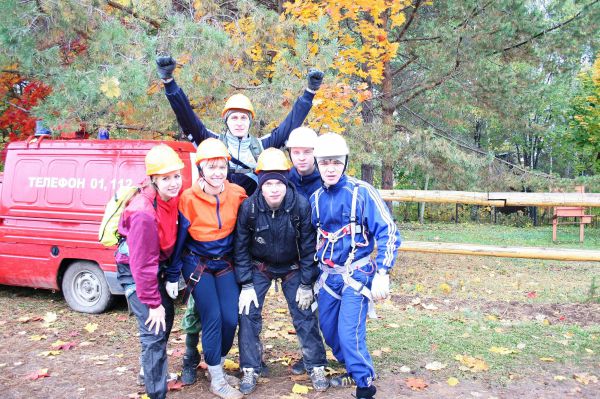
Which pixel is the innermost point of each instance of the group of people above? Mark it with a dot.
(250, 219)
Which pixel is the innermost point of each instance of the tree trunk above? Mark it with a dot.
(422, 204)
(367, 173)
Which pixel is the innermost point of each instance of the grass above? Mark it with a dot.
(420, 337)
(493, 234)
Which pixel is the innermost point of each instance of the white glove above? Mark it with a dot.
(247, 296)
(172, 289)
(304, 296)
(156, 318)
(380, 288)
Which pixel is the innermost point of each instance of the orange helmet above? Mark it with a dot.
(162, 159)
(272, 159)
(238, 102)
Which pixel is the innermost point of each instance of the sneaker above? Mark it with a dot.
(231, 379)
(189, 373)
(366, 393)
(249, 380)
(298, 367)
(319, 381)
(226, 391)
(342, 381)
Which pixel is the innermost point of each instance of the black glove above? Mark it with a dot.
(315, 78)
(165, 65)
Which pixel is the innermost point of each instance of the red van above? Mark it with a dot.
(52, 197)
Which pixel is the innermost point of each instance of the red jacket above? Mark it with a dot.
(150, 234)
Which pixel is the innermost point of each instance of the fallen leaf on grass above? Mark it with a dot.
(452, 381)
(471, 363)
(416, 384)
(376, 353)
(531, 294)
(281, 310)
(42, 373)
(559, 378)
(37, 337)
(174, 385)
(501, 350)
(434, 366)
(301, 389)
(585, 378)
(547, 359)
(90, 327)
(405, 369)
(392, 325)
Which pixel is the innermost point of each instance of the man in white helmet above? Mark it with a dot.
(350, 218)
(304, 174)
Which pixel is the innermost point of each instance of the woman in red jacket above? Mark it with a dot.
(148, 226)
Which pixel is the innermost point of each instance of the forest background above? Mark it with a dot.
(449, 95)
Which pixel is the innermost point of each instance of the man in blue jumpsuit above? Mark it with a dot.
(350, 217)
(238, 115)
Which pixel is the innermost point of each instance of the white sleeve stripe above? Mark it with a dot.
(389, 221)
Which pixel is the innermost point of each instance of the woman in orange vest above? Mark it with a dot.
(208, 212)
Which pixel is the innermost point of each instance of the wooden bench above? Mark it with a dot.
(577, 212)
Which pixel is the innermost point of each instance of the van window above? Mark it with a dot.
(62, 181)
(27, 171)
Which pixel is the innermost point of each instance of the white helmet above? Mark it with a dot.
(303, 137)
(330, 145)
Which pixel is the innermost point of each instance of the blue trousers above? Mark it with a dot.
(343, 323)
(305, 322)
(154, 346)
(216, 299)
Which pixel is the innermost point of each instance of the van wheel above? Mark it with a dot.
(85, 288)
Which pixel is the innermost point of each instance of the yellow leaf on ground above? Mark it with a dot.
(90, 327)
(36, 337)
(58, 343)
(110, 87)
(585, 378)
(231, 365)
(49, 353)
(393, 325)
(302, 389)
(559, 378)
(472, 364)
(452, 381)
(385, 349)
(445, 288)
(49, 318)
(547, 359)
(282, 310)
(501, 350)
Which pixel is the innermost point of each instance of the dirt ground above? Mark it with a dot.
(103, 362)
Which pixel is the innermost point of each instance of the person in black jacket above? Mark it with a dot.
(275, 240)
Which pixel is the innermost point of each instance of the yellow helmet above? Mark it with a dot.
(211, 148)
(162, 159)
(238, 102)
(272, 159)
